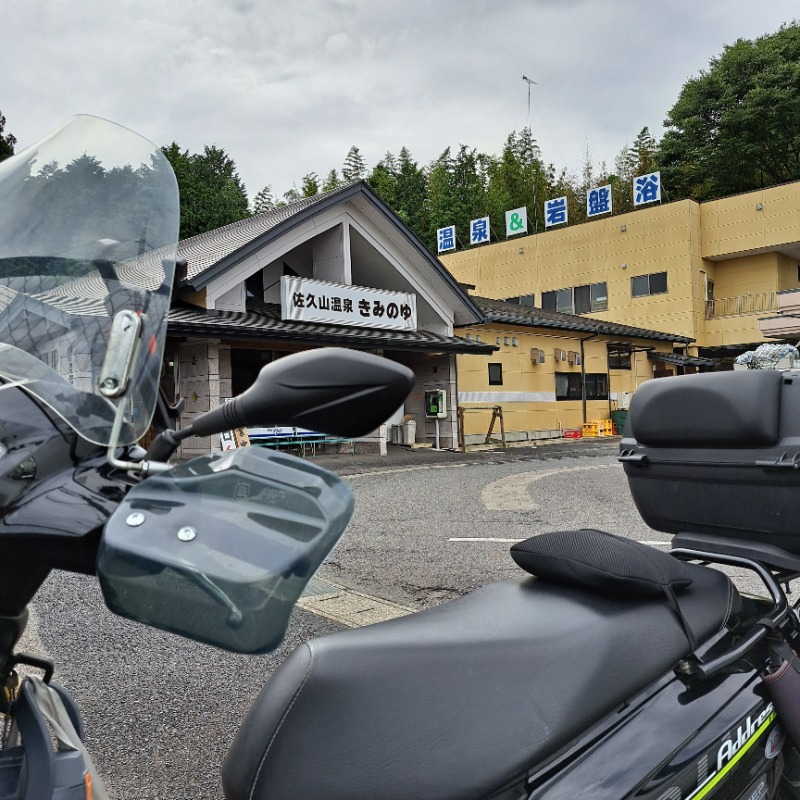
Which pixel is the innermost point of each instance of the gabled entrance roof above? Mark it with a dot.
(210, 255)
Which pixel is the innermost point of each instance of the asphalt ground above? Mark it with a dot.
(429, 526)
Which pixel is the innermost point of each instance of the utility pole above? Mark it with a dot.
(533, 176)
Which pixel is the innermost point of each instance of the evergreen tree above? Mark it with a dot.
(264, 201)
(456, 193)
(292, 196)
(355, 168)
(212, 195)
(331, 181)
(310, 185)
(7, 141)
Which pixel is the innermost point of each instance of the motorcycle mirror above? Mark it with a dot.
(329, 390)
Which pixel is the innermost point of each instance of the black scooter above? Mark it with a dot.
(607, 670)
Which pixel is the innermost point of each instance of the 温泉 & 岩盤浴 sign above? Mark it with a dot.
(305, 300)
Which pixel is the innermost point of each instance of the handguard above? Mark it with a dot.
(219, 549)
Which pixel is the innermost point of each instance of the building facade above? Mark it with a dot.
(338, 269)
(707, 271)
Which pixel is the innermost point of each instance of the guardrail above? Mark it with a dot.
(755, 303)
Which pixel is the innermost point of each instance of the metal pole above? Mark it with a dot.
(533, 176)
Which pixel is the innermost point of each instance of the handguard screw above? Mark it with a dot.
(135, 519)
(187, 534)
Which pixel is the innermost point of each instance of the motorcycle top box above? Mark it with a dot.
(718, 454)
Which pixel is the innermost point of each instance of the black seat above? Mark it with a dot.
(456, 701)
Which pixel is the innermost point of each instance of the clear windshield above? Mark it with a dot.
(89, 220)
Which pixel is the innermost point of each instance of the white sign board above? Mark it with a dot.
(306, 300)
(446, 239)
(555, 211)
(647, 189)
(598, 201)
(479, 230)
(516, 221)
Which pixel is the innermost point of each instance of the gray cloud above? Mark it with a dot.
(287, 89)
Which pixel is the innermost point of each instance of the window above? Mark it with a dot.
(568, 386)
(583, 302)
(522, 300)
(599, 296)
(51, 359)
(643, 285)
(577, 300)
(495, 374)
(619, 356)
(564, 301)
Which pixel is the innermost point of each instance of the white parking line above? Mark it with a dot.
(392, 470)
(652, 543)
(481, 539)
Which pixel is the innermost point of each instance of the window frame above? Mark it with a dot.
(648, 279)
(497, 378)
(596, 386)
(621, 353)
(592, 299)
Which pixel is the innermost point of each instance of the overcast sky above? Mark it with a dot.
(286, 88)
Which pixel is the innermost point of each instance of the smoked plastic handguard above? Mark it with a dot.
(219, 549)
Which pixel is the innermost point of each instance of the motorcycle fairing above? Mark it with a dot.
(626, 759)
(456, 701)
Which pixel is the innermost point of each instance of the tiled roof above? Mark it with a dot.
(263, 321)
(207, 249)
(210, 254)
(683, 361)
(499, 311)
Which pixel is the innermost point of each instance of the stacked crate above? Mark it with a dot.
(599, 427)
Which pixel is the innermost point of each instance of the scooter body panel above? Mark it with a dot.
(714, 740)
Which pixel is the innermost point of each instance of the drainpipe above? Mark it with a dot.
(583, 375)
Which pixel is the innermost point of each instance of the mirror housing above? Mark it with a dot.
(330, 390)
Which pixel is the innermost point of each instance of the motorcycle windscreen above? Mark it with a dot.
(220, 548)
(89, 221)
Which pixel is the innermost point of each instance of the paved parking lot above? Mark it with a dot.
(428, 527)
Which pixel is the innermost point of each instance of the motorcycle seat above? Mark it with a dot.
(462, 699)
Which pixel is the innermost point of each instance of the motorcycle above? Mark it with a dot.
(609, 669)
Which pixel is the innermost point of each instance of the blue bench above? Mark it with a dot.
(306, 444)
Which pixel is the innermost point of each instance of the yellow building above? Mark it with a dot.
(707, 271)
(682, 282)
(543, 362)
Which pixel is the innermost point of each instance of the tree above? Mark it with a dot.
(264, 201)
(456, 192)
(310, 185)
(331, 181)
(517, 178)
(733, 127)
(7, 141)
(355, 168)
(292, 196)
(212, 195)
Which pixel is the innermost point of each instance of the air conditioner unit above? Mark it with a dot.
(537, 356)
(574, 358)
(560, 355)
